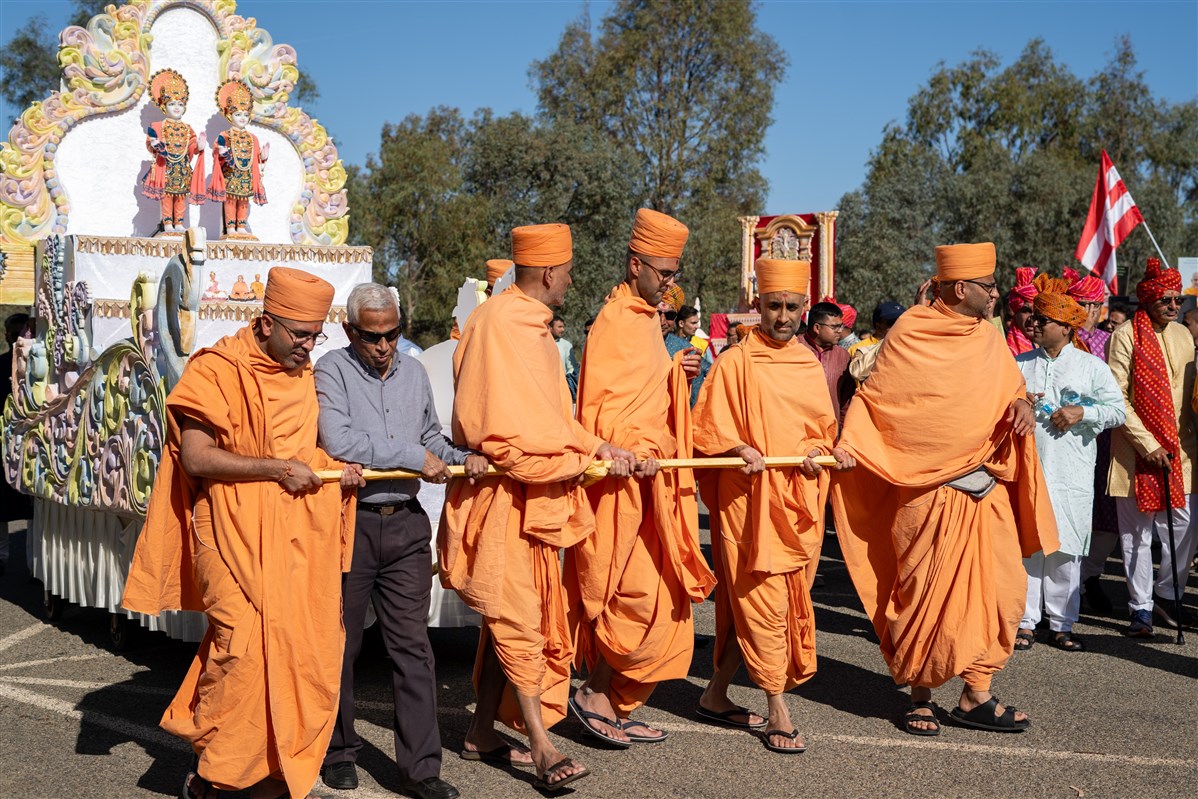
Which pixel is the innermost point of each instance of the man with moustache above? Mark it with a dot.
(241, 528)
(376, 410)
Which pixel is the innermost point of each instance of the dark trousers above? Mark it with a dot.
(393, 564)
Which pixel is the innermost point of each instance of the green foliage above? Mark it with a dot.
(667, 108)
(688, 87)
(1010, 155)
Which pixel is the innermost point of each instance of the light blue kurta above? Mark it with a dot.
(1068, 457)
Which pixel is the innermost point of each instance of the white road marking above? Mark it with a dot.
(135, 732)
(20, 635)
(141, 690)
(24, 664)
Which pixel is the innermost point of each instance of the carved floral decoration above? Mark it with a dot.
(106, 70)
(81, 432)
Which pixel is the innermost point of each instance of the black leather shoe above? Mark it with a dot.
(343, 776)
(431, 788)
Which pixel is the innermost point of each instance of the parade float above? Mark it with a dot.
(141, 207)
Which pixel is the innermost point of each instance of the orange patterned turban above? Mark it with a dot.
(965, 261)
(1156, 282)
(775, 275)
(657, 234)
(1052, 300)
(542, 245)
(673, 297)
(497, 268)
(297, 295)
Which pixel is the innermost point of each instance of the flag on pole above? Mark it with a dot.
(1113, 215)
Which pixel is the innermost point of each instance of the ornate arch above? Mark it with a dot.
(105, 68)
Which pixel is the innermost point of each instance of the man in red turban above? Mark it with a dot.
(1019, 301)
(1152, 359)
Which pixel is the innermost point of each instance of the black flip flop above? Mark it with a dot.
(1067, 641)
(983, 717)
(499, 756)
(586, 716)
(911, 717)
(642, 739)
(554, 787)
(782, 750)
(725, 718)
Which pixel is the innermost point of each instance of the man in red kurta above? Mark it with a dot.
(632, 583)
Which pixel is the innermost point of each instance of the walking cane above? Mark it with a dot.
(1178, 585)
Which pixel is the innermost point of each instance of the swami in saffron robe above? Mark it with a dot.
(939, 572)
(499, 539)
(260, 698)
(767, 528)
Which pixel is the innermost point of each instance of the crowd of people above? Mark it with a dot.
(961, 479)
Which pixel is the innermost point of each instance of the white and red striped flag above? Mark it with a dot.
(1113, 215)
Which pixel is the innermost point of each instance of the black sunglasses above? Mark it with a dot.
(374, 338)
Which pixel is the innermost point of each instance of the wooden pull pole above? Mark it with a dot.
(596, 470)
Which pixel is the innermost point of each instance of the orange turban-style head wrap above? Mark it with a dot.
(1052, 300)
(965, 261)
(1156, 282)
(497, 268)
(673, 297)
(297, 295)
(542, 245)
(774, 275)
(1025, 288)
(657, 234)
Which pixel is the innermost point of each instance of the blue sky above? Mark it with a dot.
(853, 65)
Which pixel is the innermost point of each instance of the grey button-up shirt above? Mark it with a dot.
(380, 422)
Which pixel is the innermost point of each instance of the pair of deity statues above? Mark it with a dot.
(237, 158)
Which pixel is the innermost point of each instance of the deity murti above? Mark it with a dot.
(171, 178)
(237, 160)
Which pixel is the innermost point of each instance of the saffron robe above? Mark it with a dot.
(939, 572)
(632, 583)
(766, 529)
(498, 542)
(260, 698)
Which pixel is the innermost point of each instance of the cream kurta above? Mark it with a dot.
(1068, 457)
(1133, 438)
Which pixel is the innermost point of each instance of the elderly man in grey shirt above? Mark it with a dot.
(376, 409)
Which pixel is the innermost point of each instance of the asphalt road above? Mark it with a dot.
(1120, 720)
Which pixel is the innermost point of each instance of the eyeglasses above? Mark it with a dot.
(1041, 320)
(836, 327)
(1090, 305)
(666, 277)
(669, 315)
(1171, 301)
(370, 337)
(989, 288)
(302, 337)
